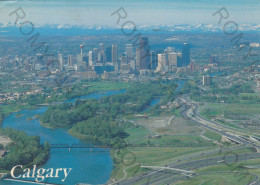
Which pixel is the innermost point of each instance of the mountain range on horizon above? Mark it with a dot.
(67, 29)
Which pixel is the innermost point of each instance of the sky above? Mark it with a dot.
(140, 12)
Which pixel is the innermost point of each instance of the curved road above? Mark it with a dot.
(164, 177)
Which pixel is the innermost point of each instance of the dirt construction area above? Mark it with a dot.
(171, 125)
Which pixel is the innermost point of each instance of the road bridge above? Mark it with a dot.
(78, 146)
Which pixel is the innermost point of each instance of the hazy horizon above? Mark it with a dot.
(154, 12)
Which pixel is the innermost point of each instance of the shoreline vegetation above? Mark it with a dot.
(85, 88)
(99, 120)
(41, 155)
(23, 150)
(104, 120)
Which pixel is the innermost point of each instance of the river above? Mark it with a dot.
(93, 167)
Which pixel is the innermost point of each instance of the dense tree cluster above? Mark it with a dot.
(97, 119)
(24, 150)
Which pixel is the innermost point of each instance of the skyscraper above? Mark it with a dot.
(129, 51)
(114, 54)
(80, 65)
(153, 60)
(101, 47)
(138, 58)
(109, 54)
(95, 54)
(70, 60)
(101, 56)
(186, 54)
(90, 58)
(162, 62)
(174, 58)
(61, 64)
(143, 54)
(167, 51)
(79, 59)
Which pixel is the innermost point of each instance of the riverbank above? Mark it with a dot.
(99, 115)
(82, 161)
(25, 150)
(46, 125)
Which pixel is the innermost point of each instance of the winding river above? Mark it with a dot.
(93, 167)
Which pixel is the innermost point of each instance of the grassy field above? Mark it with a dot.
(159, 156)
(136, 135)
(151, 156)
(212, 135)
(234, 108)
(160, 151)
(139, 136)
(181, 138)
(233, 114)
(218, 179)
(107, 86)
(223, 175)
(221, 153)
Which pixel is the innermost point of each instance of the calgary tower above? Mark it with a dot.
(81, 47)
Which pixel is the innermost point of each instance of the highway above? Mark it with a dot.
(158, 177)
(167, 176)
(190, 112)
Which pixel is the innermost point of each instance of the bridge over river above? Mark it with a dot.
(78, 146)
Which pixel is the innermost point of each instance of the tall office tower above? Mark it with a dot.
(80, 65)
(153, 60)
(143, 54)
(70, 60)
(114, 54)
(79, 59)
(174, 58)
(90, 58)
(101, 56)
(185, 54)
(132, 65)
(101, 47)
(123, 60)
(138, 58)
(129, 51)
(85, 59)
(61, 64)
(95, 54)
(167, 51)
(162, 62)
(109, 54)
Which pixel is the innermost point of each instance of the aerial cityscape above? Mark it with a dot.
(98, 92)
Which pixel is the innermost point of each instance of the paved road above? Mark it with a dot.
(165, 177)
